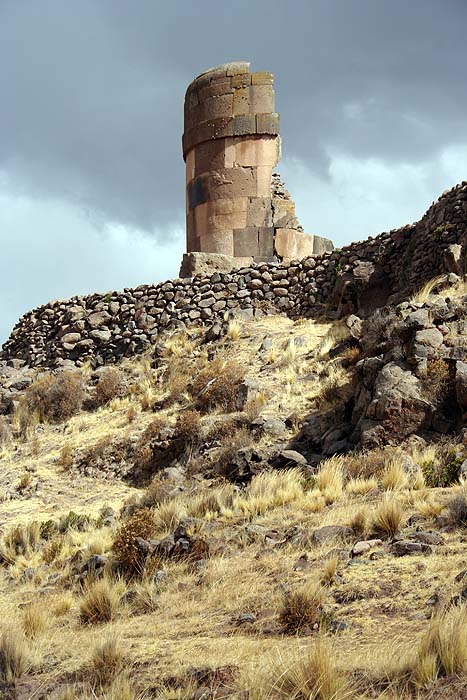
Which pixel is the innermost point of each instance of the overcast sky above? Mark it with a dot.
(373, 103)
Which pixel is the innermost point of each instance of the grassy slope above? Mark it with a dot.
(193, 624)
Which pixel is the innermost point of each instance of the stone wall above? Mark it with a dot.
(357, 278)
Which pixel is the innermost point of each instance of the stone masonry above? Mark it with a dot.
(103, 328)
(231, 144)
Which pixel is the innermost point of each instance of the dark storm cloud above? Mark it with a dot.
(91, 92)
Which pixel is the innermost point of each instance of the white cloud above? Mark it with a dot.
(53, 250)
(365, 197)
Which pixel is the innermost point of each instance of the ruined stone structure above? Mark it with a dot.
(103, 328)
(231, 144)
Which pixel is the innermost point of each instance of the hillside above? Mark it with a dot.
(267, 508)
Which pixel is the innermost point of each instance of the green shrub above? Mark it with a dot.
(74, 521)
(442, 474)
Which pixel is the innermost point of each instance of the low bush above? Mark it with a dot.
(139, 525)
(437, 383)
(54, 398)
(443, 470)
(111, 385)
(457, 509)
(218, 385)
(74, 521)
(5, 433)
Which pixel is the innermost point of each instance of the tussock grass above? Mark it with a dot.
(361, 486)
(107, 661)
(425, 292)
(62, 605)
(15, 659)
(234, 329)
(388, 517)
(427, 505)
(167, 515)
(394, 477)
(328, 575)
(303, 607)
(20, 540)
(309, 675)
(35, 619)
(442, 651)
(359, 522)
(100, 602)
(330, 480)
(269, 490)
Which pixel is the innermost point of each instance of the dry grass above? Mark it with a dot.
(233, 330)
(330, 480)
(14, 656)
(329, 572)
(34, 620)
(100, 602)
(303, 607)
(66, 456)
(303, 674)
(21, 540)
(361, 486)
(190, 620)
(268, 490)
(442, 651)
(425, 292)
(107, 661)
(394, 477)
(388, 517)
(360, 521)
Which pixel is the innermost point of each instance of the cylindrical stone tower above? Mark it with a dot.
(231, 144)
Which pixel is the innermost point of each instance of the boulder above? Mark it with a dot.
(207, 263)
(404, 547)
(331, 532)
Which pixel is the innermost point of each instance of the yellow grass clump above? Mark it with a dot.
(330, 480)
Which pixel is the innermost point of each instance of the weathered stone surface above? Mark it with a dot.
(331, 532)
(230, 144)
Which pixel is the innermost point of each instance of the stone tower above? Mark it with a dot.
(231, 144)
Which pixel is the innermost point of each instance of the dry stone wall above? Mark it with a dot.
(357, 278)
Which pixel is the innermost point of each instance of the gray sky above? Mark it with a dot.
(373, 103)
